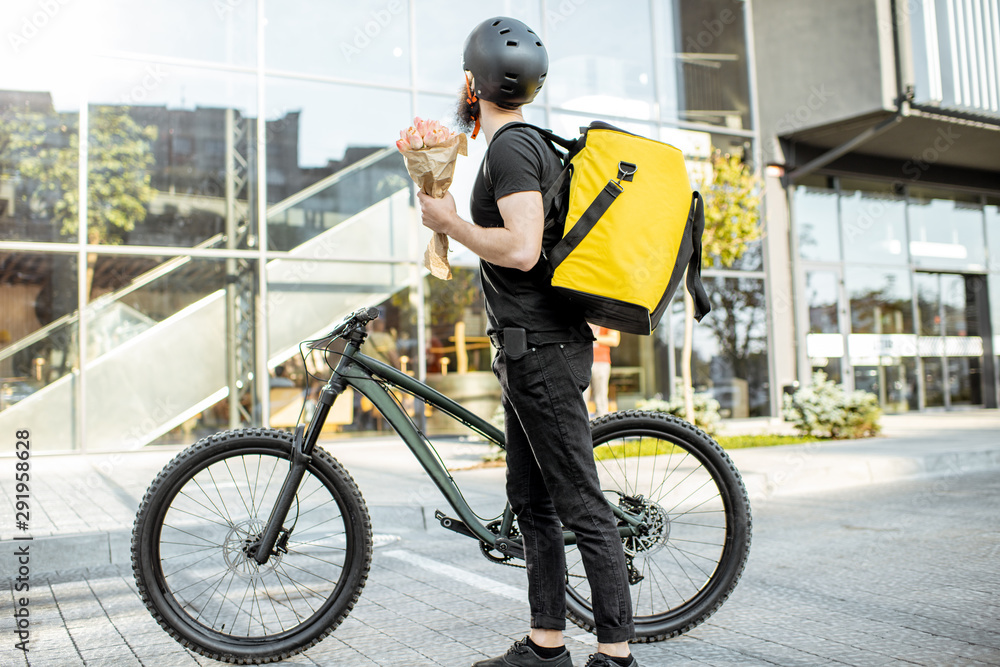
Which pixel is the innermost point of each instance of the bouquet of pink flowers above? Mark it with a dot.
(430, 151)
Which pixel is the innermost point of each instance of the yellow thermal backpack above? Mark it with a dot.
(631, 226)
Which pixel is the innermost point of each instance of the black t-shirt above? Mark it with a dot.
(521, 160)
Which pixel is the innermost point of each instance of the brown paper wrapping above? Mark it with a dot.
(432, 169)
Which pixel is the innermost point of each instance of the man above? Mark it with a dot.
(544, 354)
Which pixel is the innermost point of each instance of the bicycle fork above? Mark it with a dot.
(275, 536)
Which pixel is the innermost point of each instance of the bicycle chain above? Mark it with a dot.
(494, 527)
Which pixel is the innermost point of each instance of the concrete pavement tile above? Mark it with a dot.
(87, 639)
(49, 658)
(155, 656)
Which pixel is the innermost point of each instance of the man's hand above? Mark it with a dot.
(438, 215)
(516, 245)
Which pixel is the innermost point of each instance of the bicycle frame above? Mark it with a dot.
(356, 370)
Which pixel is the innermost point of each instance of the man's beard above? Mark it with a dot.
(466, 113)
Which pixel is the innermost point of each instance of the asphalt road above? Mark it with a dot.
(899, 574)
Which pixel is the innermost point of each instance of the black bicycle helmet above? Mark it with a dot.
(507, 60)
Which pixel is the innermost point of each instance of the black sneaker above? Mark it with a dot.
(521, 655)
(601, 660)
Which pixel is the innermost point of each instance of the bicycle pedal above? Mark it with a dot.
(456, 525)
(509, 547)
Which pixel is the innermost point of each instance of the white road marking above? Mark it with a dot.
(464, 576)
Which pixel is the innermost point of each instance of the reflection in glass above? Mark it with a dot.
(821, 294)
(815, 217)
(880, 300)
(177, 146)
(946, 234)
(224, 31)
(591, 69)
(928, 288)
(158, 348)
(440, 34)
(993, 236)
(933, 382)
(965, 381)
(832, 367)
(39, 158)
(953, 297)
(730, 347)
(894, 382)
(38, 323)
(703, 63)
(369, 42)
(328, 161)
(874, 229)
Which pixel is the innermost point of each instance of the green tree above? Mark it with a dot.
(732, 223)
(43, 151)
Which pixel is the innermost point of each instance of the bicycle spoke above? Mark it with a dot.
(198, 516)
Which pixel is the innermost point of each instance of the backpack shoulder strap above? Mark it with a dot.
(549, 196)
(547, 134)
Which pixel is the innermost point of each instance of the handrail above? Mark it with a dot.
(176, 262)
(140, 281)
(324, 183)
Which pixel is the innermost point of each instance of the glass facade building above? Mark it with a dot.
(189, 189)
(898, 291)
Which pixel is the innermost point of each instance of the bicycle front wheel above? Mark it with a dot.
(192, 535)
(698, 516)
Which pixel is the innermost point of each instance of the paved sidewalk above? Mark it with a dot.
(82, 506)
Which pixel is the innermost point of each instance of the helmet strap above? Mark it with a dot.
(471, 98)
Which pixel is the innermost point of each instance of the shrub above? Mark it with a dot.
(706, 408)
(824, 409)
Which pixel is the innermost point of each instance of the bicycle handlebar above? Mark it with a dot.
(358, 319)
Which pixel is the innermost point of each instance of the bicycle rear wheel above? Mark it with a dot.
(196, 522)
(698, 514)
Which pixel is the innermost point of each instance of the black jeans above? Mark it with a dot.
(552, 481)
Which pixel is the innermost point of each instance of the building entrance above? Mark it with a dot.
(952, 318)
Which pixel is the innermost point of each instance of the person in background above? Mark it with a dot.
(600, 375)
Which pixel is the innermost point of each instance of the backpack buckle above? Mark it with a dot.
(626, 170)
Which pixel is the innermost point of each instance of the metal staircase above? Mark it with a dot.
(144, 378)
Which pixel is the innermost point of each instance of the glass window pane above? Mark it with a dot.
(894, 382)
(703, 62)
(993, 236)
(146, 313)
(934, 387)
(369, 42)
(328, 161)
(874, 229)
(928, 287)
(161, 136)
(959, 318)
(729, 359)
(821, 293)
(222, 31)
(815, 217)
(440, 34)
(39, 343)
(600, 61)
(946, 234)
(881, 301)
(40, 91)
(39, 166)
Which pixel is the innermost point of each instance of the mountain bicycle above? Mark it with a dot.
(253, 545)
